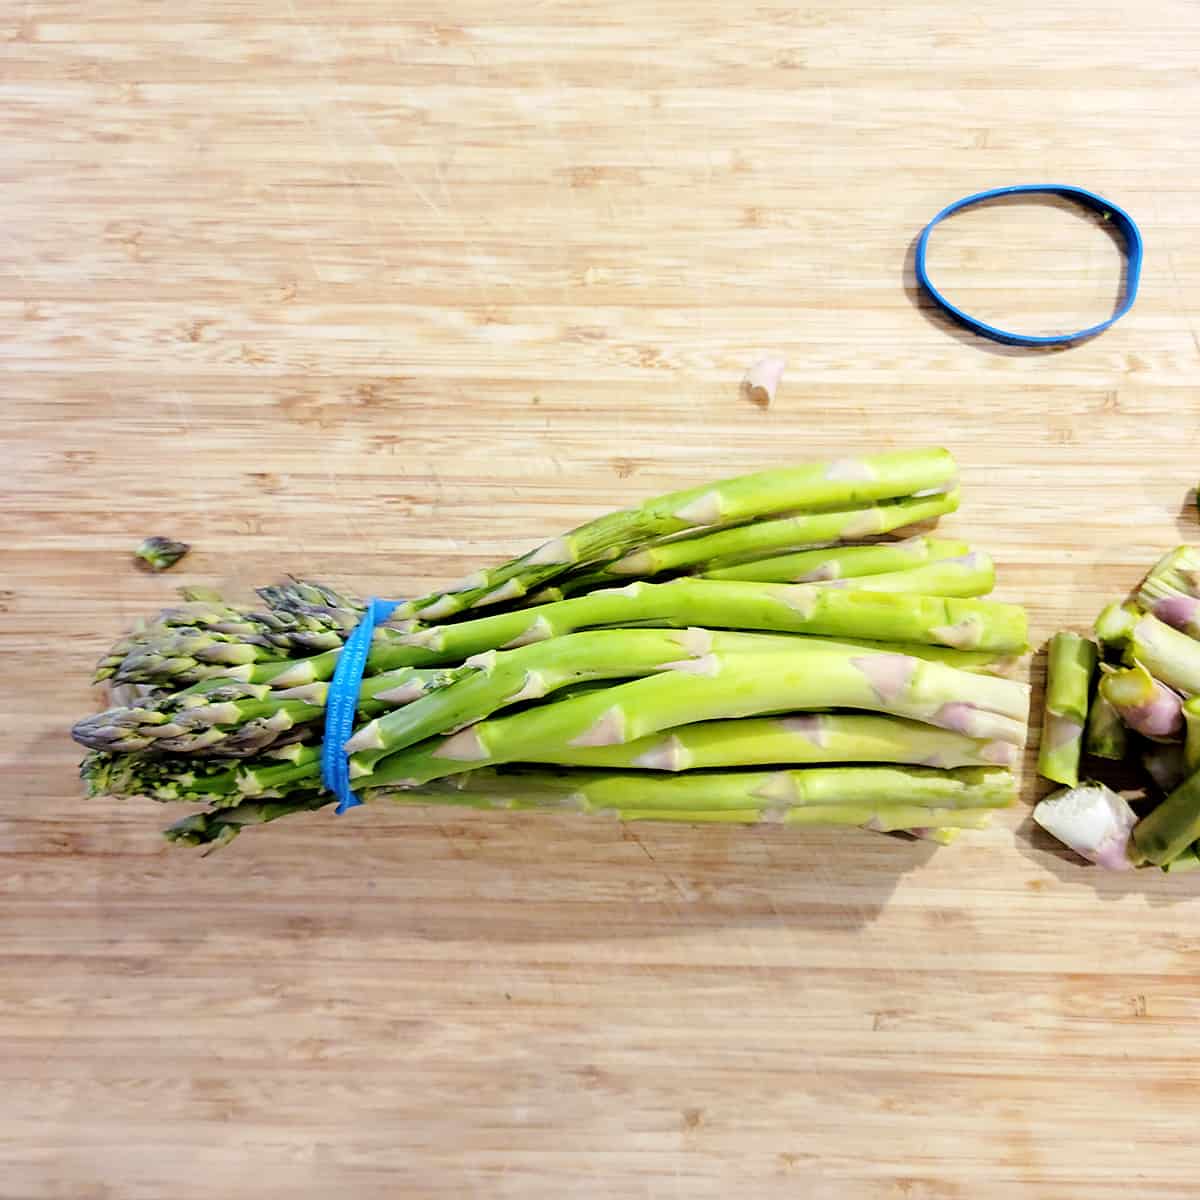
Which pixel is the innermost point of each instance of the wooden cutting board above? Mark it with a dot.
(380, 292)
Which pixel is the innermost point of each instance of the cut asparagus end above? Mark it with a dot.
(1093, 821)
(1114, 627)
(1145, 705)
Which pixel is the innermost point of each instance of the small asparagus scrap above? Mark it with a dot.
(159, 553)
(1069, 666)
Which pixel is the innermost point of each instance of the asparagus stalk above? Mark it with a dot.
(730, 502)
(530, 672)
(875, 797)
(799, 739)
(219, 827)
(730, 546)
(809, 738)
(721, 686)
(1168, 830)
(1105, 735)
(1070, 662)
(843, 562)
(1145, 705)
(1171, 591)
(710, 552)
(972, 574)
(982, 625)
(879, 786)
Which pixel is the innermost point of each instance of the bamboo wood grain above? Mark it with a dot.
(375, 293)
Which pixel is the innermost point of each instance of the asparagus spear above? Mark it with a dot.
(800, 739)
(972, 574)
(1070, 662)
(877, 798)
(530, 672)
(1145, 705)
(807, 738)
(727, 547)
(822, 485)
(843, 562)
(1104, 736)
(1168, 830)
(1171, 591)
(721, 686)
(985, 625)
(219, 827)
(715, 551)
(767, 793)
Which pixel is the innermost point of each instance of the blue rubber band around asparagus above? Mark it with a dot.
(341, 703)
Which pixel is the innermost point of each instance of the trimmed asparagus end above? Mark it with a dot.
(1093, 821)
(1114, 627)
(1145, 705)
(159, 553)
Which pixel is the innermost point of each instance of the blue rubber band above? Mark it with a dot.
(341, 703)
(1109, 211)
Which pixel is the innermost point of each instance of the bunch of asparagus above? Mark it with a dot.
(1131, 695)
(750, 650)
